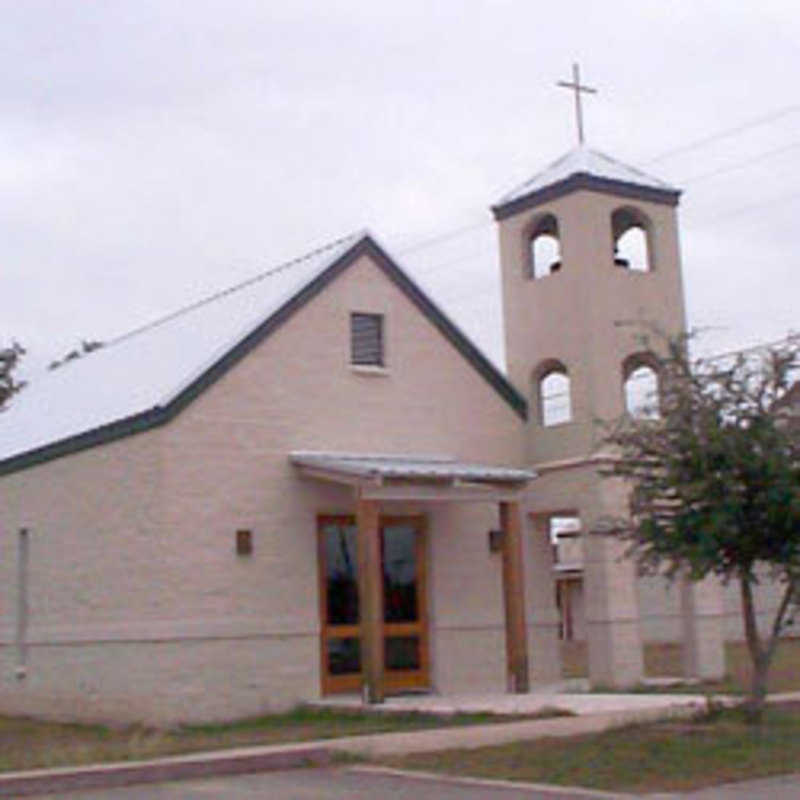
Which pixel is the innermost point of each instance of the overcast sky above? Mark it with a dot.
(152, 152)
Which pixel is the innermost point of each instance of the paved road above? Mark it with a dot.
(784, 787)
(321, 784)
(355, 784)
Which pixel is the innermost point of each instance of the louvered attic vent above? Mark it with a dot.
(366, 340)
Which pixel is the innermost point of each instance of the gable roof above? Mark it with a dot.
(144, 378)
(584, 168)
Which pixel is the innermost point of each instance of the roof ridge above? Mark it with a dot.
(624, 165)
(232, 289)
(552, 165)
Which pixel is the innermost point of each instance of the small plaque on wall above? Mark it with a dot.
(244, 542)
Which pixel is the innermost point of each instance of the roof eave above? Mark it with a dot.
(584, 180)
(119, 429)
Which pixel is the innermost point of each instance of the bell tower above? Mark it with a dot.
(588, 248)
(589, 255)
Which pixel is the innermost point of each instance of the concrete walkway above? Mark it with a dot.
(577, 703)
(594, 713)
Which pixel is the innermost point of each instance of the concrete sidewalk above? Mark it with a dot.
(594, 713)
(470, 736)
(536, 702)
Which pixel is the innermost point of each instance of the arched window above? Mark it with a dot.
(555, 401)
(640, 388)
(544, 248)
(631, 232)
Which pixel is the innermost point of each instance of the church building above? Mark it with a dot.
(315, 483)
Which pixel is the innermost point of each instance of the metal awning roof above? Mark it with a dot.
(413, 476)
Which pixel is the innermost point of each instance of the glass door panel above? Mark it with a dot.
(405, 620)
(341, 647)
(404, 629)
(399, 573)
(341, 577)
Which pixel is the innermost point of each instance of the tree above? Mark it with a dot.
(9, 359)
(714, 473)
(87, 346)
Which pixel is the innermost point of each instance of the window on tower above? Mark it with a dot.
(631, 233)
(555, 401)
(544, 248)
(640, 387)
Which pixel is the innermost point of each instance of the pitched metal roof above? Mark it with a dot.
(585, 166)
(409, 467)
(144, 378)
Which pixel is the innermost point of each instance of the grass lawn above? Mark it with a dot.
(28, 744)
(667, 757)
(665, 659)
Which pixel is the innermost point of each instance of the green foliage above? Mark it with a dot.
(715, 474)
(87, 346)
(9, 360)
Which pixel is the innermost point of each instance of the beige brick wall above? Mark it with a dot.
(140, 608)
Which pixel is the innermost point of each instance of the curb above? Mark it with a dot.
(197, 765)
(556, 790)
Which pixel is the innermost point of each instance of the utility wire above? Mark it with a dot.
(231, 289)
(726, 133)
(423, 244)
(436, 239)
(737, 165)
(751, 207)
(743, 164)
(633, 378)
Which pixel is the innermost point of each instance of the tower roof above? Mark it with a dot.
(584, 168)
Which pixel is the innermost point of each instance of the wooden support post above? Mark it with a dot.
(514, 599)
(566, 608)
(370, 599)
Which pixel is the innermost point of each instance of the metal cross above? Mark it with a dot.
(577, 88)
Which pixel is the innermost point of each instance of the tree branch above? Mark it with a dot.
(777, 623)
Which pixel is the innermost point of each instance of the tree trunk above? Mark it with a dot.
(761, 655)
(754, 707)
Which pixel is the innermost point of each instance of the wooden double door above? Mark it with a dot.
(405, 619)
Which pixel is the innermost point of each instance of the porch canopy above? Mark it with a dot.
(376, 478)
(414, 477)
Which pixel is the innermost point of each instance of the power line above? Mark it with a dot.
(633, 378)
(454, 233)
(737, 165)
(743, 164)
(725, 133)
(423, 244)
(231, 289)
(751, 207)
(750, 349)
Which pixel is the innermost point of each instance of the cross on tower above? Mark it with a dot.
(575, 85)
